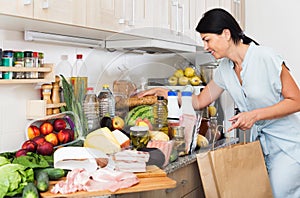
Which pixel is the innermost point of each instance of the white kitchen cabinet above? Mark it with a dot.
(120, 15)
(23, 8)
(61, 11)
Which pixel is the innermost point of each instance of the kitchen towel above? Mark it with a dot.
(235, 171)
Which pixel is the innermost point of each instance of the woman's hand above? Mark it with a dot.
(243, 121)
(157, 91)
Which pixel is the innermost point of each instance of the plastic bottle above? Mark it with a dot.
(64, 67)
(186, 103)
(160, 113)
(79, 78)
(107, 102)
(91, 110)
(173, 107)
(79, 69)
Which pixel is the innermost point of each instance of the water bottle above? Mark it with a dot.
(107, 102)
(160, 113)
(79, 68)
(91, 110)
(64, 67)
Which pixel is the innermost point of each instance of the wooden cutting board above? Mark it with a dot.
(153, 179)
(152, 171)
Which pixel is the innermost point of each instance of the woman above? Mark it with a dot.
(263, 89)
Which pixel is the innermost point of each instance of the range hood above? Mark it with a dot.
(149, 46)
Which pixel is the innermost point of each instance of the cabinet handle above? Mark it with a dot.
(122, 20)
(131, 22)
(181, 6)
(26, 2)
(237, 6)
(175, 5)
(45, 4)
(182, 183)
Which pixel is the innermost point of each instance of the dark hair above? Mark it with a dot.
(216, 20)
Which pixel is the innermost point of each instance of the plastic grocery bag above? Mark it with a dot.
(234, 171)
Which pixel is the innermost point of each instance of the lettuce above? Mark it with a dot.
(14, 178)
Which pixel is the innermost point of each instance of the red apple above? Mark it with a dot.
(29, 145)
(45, 148)
(46, 128)
(21, 152)
(38, 140)
(59, 124)
(64, 136)
(33, 131)
(52, 138)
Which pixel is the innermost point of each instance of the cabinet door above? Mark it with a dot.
(63, 11)
(120, 15)
(22, 8)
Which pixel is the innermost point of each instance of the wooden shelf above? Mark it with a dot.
(46, 70)
(38, 108)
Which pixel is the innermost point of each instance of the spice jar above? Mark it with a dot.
(18, 62)
(139, 136)
(28, 62)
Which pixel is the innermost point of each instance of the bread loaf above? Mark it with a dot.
(135, 101)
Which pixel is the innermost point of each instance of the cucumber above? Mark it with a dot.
(30, 191)
(42, 181)
(53, 173)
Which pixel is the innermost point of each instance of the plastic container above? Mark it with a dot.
(106, 102)
(72, 122)
(91, 110)
(160, 113)
(64, 67)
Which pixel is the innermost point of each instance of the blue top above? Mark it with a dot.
(172, 93)
(261, 87)
(186, 93)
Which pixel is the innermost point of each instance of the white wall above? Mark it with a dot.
(275, 23)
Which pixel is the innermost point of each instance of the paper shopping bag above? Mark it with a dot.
(234, 171)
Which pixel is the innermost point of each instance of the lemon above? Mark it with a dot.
(178, 73)
(202, 141)
(212, 111)
(189, 72)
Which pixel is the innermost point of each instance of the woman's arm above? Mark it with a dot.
(209, 94)
(290, 104)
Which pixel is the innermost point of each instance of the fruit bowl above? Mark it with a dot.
(61, 129)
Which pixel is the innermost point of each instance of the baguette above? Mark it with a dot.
(135, 101)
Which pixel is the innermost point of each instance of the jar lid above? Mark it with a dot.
(28, 54)
(139, 128)
(18, 54)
